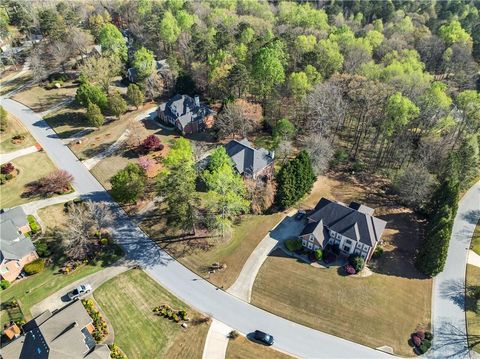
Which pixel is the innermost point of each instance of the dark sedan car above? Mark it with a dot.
(265, 338)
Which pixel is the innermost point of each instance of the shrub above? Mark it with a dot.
(349, 269)
(42, 249)
(356, 262)
(420, 334)
(152, 143)
(104, 241)
(4, 284)
(32, 222)
(428, 336)
(233, 335)
(117, 105)
(7, 168)
(416, 340)
(358, 166)
(55, 182)
(116, 353)
(476, 291)
(293, 244)
(3, 179)
(318, 254)
(378, 252)
(427, 343)
(341, 156)
(34, 267)
(422, 348)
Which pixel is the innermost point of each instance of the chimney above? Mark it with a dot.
(271, 154)
(196, 99)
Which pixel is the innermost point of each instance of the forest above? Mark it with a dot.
(375, 88)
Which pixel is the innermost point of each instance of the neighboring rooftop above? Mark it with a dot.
(17, 215)
(355, 221)
(13, 244)
(248, 160)
(186, 109)
(57, 336)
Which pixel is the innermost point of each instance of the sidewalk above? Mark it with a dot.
(10, 156)
(32, 207)
(217, 341)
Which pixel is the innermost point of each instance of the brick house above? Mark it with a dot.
(352, 228)
(16, 249)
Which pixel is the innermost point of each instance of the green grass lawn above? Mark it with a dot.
(32, 167)
(473, 312)
(374, 311)
(476, 239)
(242, 348)
(234, 252)
(14, 127)
(128, 299)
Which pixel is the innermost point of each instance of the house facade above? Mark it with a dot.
(249, 161)
(352, 228)
(16, 248)
(65, 334)
(187, 114)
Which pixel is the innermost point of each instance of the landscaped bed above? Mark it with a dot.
(31, 168)
(15, 129)
(127, 301)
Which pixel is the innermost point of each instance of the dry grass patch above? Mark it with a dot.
(242, 348)
(472, 307)
(14, 127)
(53, 216)
(200, 254)
(40, 99)
(374, 311)
(128, 299)
(31, 168)
(8, 84)
(67, 121)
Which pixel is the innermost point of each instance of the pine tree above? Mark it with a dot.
(94, 115)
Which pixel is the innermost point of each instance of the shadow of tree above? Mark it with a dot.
(452, 342)
(454, 290)
(472, 217)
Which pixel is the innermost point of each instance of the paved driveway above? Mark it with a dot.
(189, 287)
(287, 228)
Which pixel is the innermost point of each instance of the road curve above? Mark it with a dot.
(448, 297)
(289, 337)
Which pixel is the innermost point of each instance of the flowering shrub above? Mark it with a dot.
(152, 143)
(167, 312)
(98, 322)
(7, 168)
(146, 163)
(420, 334)
(416, 340)
(349, 269)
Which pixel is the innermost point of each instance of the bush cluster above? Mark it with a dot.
(5, 178)
(7, 168)
(318, 254)
(356, 262)
(34, 226)
(422, 341)
(152, 143)
(4, 284)
(42, 248)
(167, 312)
(34, 267)
(98, 322)
(116, 353)
(293, 244)
(349, 269)
(233, 335)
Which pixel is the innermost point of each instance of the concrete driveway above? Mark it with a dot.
(59, 299)
(287, 228)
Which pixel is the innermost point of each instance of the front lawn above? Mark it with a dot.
(476, 239)
(31, 168)
(127, 301)
(39, 99)
(14, 128)
(375, 311)
(234, 252)
(67, 121)
(242, 348)
(473, 307)
(7, 85)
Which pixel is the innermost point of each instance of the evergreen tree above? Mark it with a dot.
(117, 104)
(468, 161)
(135, 95)
(94, 115)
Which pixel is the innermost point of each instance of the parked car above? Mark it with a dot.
(265, 338)
(79, 291)
(300, 214)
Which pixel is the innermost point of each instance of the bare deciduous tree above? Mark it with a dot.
(154, 86)
(238, 119)
(414, 185)
(320, 151)
(260, 193)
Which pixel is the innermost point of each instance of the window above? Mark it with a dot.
(304, 242)
(332, 233)
(348, 241)
(311, 238)
(337, 241)
(365, 247)
(339, 236)
(357, 251)
(310, 245)
(330, 240)
(346, 248)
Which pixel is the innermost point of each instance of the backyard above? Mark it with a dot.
(128, 300)
(14, 128)
(31, 168)
(242, 348)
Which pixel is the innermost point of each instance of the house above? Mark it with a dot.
(186, 113)
(160, 66)
(16, 249)
(250, 161)
(65, 334)
(352, 228)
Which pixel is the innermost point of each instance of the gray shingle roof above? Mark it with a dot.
(13, 244)
(248, 160)
(184, 109)
(349, 222)
(17, 215)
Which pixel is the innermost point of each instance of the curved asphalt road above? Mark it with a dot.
(448, 299)
(200, 294)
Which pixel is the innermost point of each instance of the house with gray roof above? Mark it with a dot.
(186, 113)
(352, 228)
(16, 249)
(65, 334)
(250, 161)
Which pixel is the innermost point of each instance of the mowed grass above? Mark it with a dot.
(32, 167)
(14, 127)
(40, 99)
(242, 348)
(473, 314)
(476, 239)
(128, 300)
(67, 121)
(7, 85)
(374, 311)
(233, 252)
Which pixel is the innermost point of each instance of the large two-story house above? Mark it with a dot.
(250, 161)
(186, 113)
(352, 228)
(16, 249)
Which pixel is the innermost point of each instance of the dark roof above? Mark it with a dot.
(13, 244)
(361, 208)
(351, 223)
(318, 230)
(184, 109)
(248, 160)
